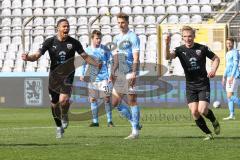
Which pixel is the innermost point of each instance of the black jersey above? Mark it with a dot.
(193, 61)
(61, 51)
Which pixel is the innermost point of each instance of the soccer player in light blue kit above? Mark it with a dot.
(100, 84)
(127, 51)
(231, 77)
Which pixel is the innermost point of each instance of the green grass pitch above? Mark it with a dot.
(167, 134)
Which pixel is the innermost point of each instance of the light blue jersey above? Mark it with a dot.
(102, 54)
(127, 44)
(232, 60)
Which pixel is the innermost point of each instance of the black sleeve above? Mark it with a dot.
(45, 46)
(79, 47)
(208, 52)
(176, 51)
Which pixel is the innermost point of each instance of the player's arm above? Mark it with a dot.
(235, 66)
(31, 57)
(90, 60)
(169, 54)
(214, 67)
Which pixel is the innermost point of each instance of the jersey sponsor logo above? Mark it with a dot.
(198, 52)
(126, 44)
(33, 91)
(55, 47)
(62, 56)
(69, 46)
(184, 53)
(193, 63)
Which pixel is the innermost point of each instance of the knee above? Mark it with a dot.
(92, 100)
(107, 99)
(195, 113)
(64, 101)
(202, 111)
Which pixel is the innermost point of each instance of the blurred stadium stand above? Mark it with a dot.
(144, 15)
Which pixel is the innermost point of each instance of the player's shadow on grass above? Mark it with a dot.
(34, 144)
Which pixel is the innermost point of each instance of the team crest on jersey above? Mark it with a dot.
(69, 46)
(198, 52)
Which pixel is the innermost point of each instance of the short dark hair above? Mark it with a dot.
(123, 15)
(62, 20)
(230, 39)
(96, 32)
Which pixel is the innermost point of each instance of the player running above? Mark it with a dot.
(61, 49)
(193, 60)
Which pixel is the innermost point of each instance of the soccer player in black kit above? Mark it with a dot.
(61, 48)
(193, 60)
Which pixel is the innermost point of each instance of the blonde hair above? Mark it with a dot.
(188, 28)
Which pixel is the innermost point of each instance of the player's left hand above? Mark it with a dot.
(211, 74)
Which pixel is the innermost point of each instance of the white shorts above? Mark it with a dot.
(232, 87)
(121, 85)
(100, 89)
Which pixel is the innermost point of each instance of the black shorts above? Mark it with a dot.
(58, 85)
(196, 95)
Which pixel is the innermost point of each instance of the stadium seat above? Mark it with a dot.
(192, 1)
(6, 31)
(92, 3)
(38, 3)
(150, 20)
(158, 2)
(194, 9)
(16, 4)
(16, 12)
(114, 20)
(82, 11)
(136, 2)
(3, 48)
(206, 9)
(215, 2)
(93, 11)
(140, 29)
(184, 19)
(6, 22)
(49, 12)
(11, 53)
(168, 2)
(82, 30)
(105, 20)
(27, 4)
(137, 10)
(160, 10)
(59, 3)
(17, 21)
(49, 31)
(159, 18)
(148, 10)
(181, 2)
(182, 9)
(72, 20)
(173, 19)
(113, 3)
(171, 9)
(138, 20)
(38, 39)
(115, 30)
(82, 20)
(125, 2)
(6, 4)
(102, 2)
(115, 10)
(151, 29)
(38, 21)
(8, 65)
(49, 21)
(106, 39)
(196, 19)
(70, 11)
(204, 1)
(127, 10)
(38, 30)
(84, 39)
(106, 29)
(38, 11)
(11, 49)
(92, 18)
(147, 2)
(49, 3)
(60, 11)
(103, 10)
(27, 12)
(16, 39)
(6, 12)
(70, 3)
(81, 3)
